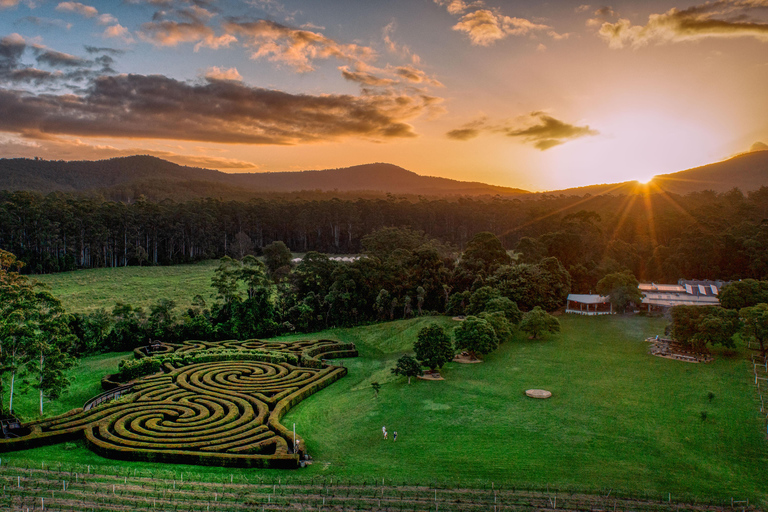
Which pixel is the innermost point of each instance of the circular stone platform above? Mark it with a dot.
(538, 393)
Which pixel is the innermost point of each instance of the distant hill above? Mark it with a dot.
(747, 172)
(126, 175)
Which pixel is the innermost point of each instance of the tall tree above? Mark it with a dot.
(433, 347)
(755, 325)
(18, 317)
(621, 289)
(699, 326)
(537, 322)
(277, 255)
(407, 366)
(50, 343)
(476, 336)
(743, 294)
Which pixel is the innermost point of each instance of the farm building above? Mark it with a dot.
(583, 304)
(658, 297)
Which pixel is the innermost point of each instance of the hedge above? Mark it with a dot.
(210, 403)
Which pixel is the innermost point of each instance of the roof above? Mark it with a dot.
(587, 299)
(679, 299)
(647, 287)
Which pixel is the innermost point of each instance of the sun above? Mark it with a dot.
(634, 144)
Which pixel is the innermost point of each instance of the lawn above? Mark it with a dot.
(618, 419)
(84, 291)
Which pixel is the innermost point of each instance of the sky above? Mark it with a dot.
(532, 94)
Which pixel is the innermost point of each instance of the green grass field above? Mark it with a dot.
(83, 291)
(619, 418)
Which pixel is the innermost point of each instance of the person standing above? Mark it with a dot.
(384, 431)
(394, 436)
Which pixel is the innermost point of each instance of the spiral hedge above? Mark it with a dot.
(211, 403)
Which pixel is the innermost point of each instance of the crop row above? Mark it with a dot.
(61, 492)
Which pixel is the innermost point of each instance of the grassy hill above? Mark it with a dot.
(619, 418)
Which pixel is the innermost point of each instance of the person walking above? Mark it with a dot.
(384, 431)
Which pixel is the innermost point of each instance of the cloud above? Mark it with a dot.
(416, 76)
(158, 107)
(294, 47)
(458, 6)
(719, 19)
(106, 19)
(398, 49)
(463, 133)
(537, 128)
(12, 69)
(33, 75)
(59, 59)
(195, 14)
(171, 33)
(11, 49)
(78, 8)
(45, 22)
(98, 49)
(6, 4)
(217, 73)
(365, 78)
(118, 32)
(549, 132)
(602, 15)
(485, 26)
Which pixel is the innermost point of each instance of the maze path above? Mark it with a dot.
(214, 413)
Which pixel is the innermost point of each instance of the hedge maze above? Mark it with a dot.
(211, 403)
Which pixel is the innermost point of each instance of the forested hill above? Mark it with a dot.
(379, 176)
(122, 178)
(747, 172)
(127, 178)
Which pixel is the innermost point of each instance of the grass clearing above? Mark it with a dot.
(84, 291)
(618, 419)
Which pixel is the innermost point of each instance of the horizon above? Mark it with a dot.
(530, 96)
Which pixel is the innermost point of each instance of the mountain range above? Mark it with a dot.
(128, 177)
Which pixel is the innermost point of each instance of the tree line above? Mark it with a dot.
(403, 273)
(659, 237)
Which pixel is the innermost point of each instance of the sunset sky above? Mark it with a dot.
(531, 94)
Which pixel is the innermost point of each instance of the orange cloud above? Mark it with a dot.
(76, 7)
(294, 47)
(118, 32)
(720, 19)
(217, 73)
(171, 33)
(417, 76)
(365, 78)
(485, 26)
